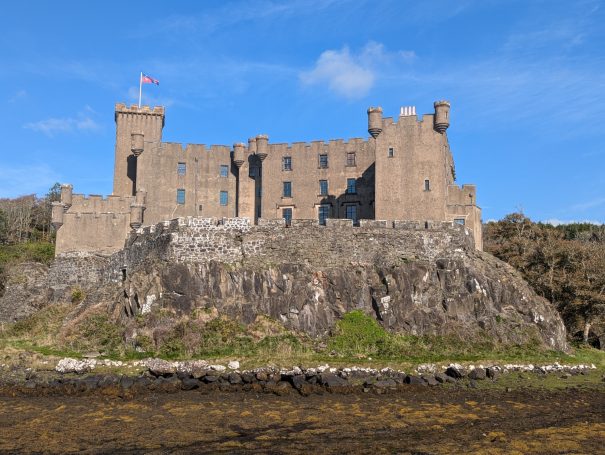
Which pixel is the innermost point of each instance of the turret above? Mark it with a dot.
(137, 143)
(136, 215)
(262, 146)
(374, 121)
(57, 215)
(442, 116)
(66, 195)
(252, 145)
(137, 208)
(238, 154)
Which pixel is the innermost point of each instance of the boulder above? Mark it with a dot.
(414, 380)
(454, 372)
(190, 384)
(331, 380)
(478, 374)
(160, 367)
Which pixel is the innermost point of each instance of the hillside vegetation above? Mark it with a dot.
(565, 264)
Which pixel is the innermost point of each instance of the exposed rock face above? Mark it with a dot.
(461, 295)
(25, 292)
(415, 278)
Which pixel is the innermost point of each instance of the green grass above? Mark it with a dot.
(358, 339)
(43, 252)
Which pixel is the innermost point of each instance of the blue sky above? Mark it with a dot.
(526, 80)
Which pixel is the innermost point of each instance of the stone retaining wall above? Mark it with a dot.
(229, 240)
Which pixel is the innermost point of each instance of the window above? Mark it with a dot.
(323, 161)
(427, 185)
(253, 172)
(324, 213)
(181, 168)
(391, 152)
(287, 215)
(224, 170)
(351, 186)
(287, 189)
(459, 221)
(351, 159)
(287, 163)
(180, 196)
(323, 187)
(351, 212)
(224, 198)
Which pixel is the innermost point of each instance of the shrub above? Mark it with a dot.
(77, 295)
(359, 334)
(96, 332)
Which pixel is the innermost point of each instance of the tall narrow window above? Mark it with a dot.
(351, 212)
(180, 196)
(391, 152)
(287, 163)
(287, 189)
(427, 185)
(323, 213)
(224, 198)
(287, 215)
(351, 159)
(323, 187)
(323, 161)
(224, 170)
(181, 169)
(351, 188)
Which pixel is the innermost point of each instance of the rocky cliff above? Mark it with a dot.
(419, 278)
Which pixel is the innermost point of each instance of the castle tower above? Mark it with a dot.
(442, 116)
(374, 121)
(136, 128)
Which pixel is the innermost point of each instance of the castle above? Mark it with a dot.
(404, 171)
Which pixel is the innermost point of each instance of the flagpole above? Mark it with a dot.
(140, 88)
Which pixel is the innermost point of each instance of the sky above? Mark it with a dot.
(525, 78)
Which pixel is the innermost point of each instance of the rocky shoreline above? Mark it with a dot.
(75, 377)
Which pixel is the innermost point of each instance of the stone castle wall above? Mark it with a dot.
(231, 240)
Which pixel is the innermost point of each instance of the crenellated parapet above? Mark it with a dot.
(134, 109)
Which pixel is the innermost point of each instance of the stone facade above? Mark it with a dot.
(404, 171)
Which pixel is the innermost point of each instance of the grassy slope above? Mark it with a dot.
(357, 340)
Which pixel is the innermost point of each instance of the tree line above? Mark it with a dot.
(565, 264)
(27, 218)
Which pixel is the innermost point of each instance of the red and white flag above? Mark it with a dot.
(148, 80)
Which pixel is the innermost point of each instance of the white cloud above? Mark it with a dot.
(83, 121)
(558, 222)
(230, 14)
(350, 75)
(342, 73)
(589, 204)
(20, 94)
(19, 180)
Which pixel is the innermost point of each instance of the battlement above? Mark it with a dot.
(95, 203)
(278, 147)
(317, 145)
(122, 108)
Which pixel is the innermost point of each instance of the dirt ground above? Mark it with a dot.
(418, 420)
